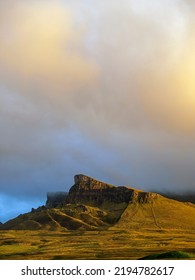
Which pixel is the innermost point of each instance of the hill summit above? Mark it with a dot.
(88, 190)
(91, 204)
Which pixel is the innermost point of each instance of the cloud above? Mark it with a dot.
(95, 61)
(41, 51)
(150, 61)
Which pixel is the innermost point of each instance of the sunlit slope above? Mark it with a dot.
(160, 212)
(74, 218)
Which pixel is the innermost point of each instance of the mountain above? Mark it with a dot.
(91, 205)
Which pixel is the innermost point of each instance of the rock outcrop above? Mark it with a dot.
(91, 191)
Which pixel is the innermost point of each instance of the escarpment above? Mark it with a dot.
(91, 191)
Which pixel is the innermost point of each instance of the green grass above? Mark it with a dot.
(109, 244)
(178, 255)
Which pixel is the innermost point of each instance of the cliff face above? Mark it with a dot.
(87, 190)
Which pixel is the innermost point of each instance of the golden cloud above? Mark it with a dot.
(40, 48)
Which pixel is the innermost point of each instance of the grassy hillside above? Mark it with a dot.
(94, 205)
(159, 213)
(71, 217)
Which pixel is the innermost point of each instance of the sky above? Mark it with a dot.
(95, 87)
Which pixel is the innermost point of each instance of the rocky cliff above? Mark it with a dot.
(91, 191)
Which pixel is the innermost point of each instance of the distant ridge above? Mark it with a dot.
(184, 197)
(91, 205)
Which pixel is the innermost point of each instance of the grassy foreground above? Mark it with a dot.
(110, 244)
